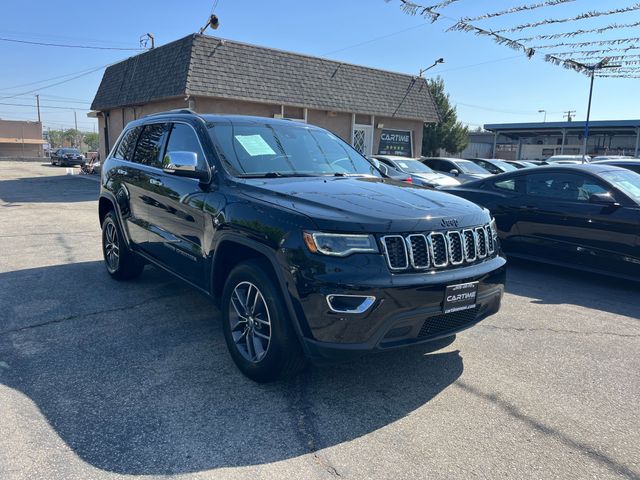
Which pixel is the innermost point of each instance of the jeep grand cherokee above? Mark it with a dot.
(310, 252)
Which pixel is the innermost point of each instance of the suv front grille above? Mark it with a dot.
(438, 249)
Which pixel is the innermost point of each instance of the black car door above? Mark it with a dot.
(176, 215)
(559, 221)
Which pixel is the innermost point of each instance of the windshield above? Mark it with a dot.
(70, 150)
(254, 150)
(469, 167)
(507, 167)
(626, 181)
(411, 166)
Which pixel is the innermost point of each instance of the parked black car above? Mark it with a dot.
(65, 157)
(584, 216)
(461, 170)
(632, 164)
(310, 252)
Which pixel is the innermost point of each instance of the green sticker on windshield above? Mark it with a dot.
(254, 145)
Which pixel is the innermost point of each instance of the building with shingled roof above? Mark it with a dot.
(376, 111)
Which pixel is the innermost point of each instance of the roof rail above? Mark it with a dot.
(177, 110)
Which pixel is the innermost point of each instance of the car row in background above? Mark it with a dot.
(584, 216)
(414, 170)
(494, 165)
(65, 157)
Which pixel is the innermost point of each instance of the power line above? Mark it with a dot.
(375, 39)
(54, 84)
(66, 45)
(44, 106)
(52, 78)
(477, 64)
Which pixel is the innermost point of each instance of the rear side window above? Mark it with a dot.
(507, 185)
(183, 138)
(126, 145)
(150, 144)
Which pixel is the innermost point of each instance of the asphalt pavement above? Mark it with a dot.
(101, 379)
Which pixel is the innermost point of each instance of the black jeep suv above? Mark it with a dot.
(311, 253)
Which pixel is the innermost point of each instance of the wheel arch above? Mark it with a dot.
(233, 249)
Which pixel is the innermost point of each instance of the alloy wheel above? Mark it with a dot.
(250, 322)
(111, 247)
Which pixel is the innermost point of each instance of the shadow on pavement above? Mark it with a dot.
(47, 189)
(136, 379)
(557, 285)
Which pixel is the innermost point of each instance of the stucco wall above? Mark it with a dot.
(340, 123)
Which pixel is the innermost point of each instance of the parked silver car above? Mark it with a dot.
(419, 173)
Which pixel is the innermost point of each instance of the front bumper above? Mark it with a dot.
(72, 161)
(408, 310)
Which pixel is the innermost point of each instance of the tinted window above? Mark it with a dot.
(625, 180)
(509, 185)
(563, 186)
(127, 143)
(149, 145)
(183, 138)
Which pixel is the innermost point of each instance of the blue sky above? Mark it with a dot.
(489, 83)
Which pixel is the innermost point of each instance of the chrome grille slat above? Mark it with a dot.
(481, 242)
(396, 252)
(439, 254)
(436, 250)
(470, 249)
(456, 247)
(418, 246)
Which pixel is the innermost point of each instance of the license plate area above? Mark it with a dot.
(458, 298)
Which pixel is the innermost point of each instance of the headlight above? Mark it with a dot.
(338, 244)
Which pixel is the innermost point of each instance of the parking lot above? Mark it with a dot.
(100, 379)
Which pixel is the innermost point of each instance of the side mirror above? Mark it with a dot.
(183, 164)
(605, 199)
(455, 172)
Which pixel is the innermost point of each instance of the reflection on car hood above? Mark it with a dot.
(366, 204)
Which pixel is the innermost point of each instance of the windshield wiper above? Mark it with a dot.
(275, 175)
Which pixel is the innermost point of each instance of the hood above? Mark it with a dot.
(366, 204)
(437, 179)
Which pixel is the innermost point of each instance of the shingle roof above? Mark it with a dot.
(200, 65)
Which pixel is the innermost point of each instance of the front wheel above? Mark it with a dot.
(121, 262)
(257, 328)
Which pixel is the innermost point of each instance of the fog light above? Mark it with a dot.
(350, 303)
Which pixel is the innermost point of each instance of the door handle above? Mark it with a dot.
(155, 182)
(119, 171)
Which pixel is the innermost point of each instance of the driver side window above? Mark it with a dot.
(183, 138)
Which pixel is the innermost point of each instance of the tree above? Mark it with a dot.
(92, 140)
(72, 136)
(449, 134)
(55, 138)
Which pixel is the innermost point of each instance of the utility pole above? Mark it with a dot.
(604, 63)
(75, 119)
(38, 106)
(545, 115)
(569, 115)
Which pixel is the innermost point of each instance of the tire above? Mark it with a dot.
(259, 359)
(120, 261)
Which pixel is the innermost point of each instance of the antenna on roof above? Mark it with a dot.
(212, 22)
(147, 39)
